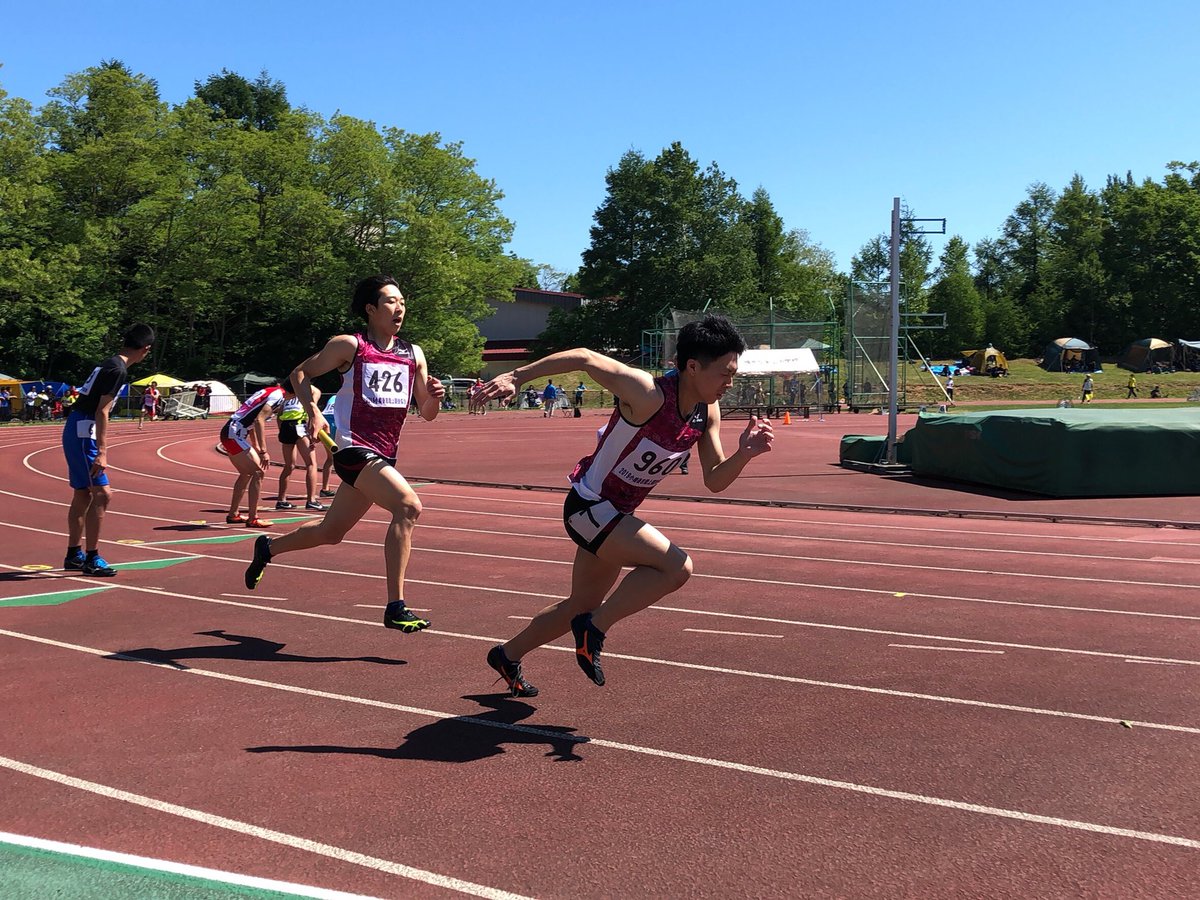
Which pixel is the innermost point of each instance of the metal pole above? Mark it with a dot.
(894, 344)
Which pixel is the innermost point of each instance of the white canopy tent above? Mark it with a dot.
(778, 362)
(220, 399)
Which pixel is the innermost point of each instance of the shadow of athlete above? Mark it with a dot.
(465, 738)
(243, 647)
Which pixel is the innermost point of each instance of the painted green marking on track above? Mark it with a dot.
(32, 873)
(220, 539)
(152, 563)
(53, 599)
(291, 520)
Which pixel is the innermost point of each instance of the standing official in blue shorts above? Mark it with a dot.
(85, 445)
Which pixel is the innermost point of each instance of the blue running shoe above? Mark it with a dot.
(95, 565)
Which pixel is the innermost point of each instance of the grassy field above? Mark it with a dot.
(1026, 381)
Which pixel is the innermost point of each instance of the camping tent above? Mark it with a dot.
(1146, 355)
(986, 360)
(1070, 355)
(249, 382)
(1187, 356)
(221, 399)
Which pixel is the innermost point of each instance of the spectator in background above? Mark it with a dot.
(1132, 387)
(549, 399)
(5, 405)
(950, 389)
(578, 394)
(1088, 387)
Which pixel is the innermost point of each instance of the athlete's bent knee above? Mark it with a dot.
(680, 574)
(407, 512)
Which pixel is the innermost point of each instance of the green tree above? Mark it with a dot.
(1074, 267)
(1026, 243)
(954, 293)
(668, 234)
(259, 104)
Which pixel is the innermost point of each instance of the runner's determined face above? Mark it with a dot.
(386, 315)
(713, 380)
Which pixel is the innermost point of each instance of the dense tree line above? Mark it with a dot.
(234, 223)
(1109, 266)
(672, 235)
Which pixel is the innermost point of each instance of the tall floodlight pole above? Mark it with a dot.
(894, 339)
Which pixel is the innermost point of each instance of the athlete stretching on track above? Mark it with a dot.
(381, 376)
(245, 443)
(655, 425)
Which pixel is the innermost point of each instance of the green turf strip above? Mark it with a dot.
(30, 874)
(50, 599)
(220, 539)
(152, 563)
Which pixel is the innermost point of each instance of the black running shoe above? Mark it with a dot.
(74, 562)
(589, 641)
(95, 565)
(397, 615)
(262, 556)
(283, 504)
(510, 673)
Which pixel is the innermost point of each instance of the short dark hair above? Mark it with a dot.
(367, 291)
(710, 338)
(138, 336)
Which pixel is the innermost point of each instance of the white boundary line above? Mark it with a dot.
(174, 868)
(266, 834)
(947, 649)
(734, 633)
(999, 812)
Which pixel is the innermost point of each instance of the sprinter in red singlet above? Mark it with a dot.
(653, 428)
(381, 376)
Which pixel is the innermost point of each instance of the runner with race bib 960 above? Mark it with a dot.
(650, 433)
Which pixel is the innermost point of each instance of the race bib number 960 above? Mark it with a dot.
(648, 464)
(385, 384)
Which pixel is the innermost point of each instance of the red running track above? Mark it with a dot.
(837, 704)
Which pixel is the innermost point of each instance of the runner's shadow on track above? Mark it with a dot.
(21, 577)
(465, 738)
(183, 527)
(243, 647)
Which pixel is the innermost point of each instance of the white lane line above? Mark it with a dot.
(522, 618)
(1153, 662)
(255, 597)
(735, 633)
(266, 834)
(947, 649)
(697, 612)
(677, 664)
(922, 636)
(1062, 607)
(384, 606)
(175, 868)
(808, 539)
(557, 737)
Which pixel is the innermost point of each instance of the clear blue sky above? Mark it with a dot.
(834, 108)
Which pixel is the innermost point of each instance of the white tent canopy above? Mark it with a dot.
(220, 399)
(777, 362)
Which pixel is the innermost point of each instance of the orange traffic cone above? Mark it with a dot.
(787, 417)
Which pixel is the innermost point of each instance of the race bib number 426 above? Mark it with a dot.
(648, 464)
(385, 384)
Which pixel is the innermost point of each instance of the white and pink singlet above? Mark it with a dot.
(631, 459)
(373, 401)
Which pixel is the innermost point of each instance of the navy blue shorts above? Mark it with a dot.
(79, 447)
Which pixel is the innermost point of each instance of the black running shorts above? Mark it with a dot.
(589, 522)
(349, 462)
